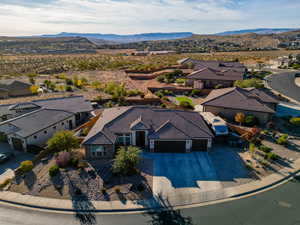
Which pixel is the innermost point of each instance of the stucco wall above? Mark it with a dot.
(230, 113)
(42, 137)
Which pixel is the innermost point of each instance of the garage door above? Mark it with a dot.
(170, 146)
(199, 145)
(17, 143)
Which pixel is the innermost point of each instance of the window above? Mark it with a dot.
(45, 132)
(123, 139)
(98, 151)
(62, 123)
(35, 137)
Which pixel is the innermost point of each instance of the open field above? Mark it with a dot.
(14, 65)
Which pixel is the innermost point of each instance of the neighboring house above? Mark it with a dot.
(33, 123)
(14, 88)
(152, 129)
(210, 74)
(208, 78)
(228, 102)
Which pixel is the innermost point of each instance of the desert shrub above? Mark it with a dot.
(218, 86)
(63, 141)
(282, 140)
(34, 89)
(53, 170)
(186, 105)
(82, 164)
(63, 159)
(295, 121)
(109, 104)
(265, 149)
(69, 82)
(117, 190)
(271, 156)
(165, 98)
(163, 105)
(251, 120)
(5, 183)
(160, 78)
(253, 82)
(180, 81)
(126, 160)
(74, 162)
(252, 148)
(195, 92)
(26, 166)
(133, 92)
(159, 94)
(85, 131)
(69, 88)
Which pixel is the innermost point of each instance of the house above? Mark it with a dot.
(150, 128)
(14, 88)
(208, 78)
(227, 102)
(33, 123)
(211, 74)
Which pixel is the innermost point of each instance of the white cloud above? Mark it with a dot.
(131, 16)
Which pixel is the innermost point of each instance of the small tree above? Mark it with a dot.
(240, 118)
(34, 89)
(126, 160)
(63, 141)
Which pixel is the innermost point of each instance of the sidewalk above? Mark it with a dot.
(176, 199)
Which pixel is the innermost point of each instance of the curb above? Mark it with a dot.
(139, 210)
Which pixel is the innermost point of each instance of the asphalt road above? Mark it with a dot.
(285, 84)
(276, 207)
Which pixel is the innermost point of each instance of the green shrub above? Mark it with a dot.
(265, 149)
(254, 82)
(271, 156)
(5, 183)
(74, 162)
(186, 104)
(282, 140)
(131, 93)
(26, 166)
(295, 121)
(69, 88)
(53, 170)
(251, 121)
(195, 92)
(160, 78)
(180, 81)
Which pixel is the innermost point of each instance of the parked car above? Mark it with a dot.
(6, 156)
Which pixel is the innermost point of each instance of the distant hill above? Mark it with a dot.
(39, 45)
(219, 43)
(257, 31)
(124, 38)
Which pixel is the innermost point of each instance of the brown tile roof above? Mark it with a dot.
(207, 73)
(161, 124)
(239, 98)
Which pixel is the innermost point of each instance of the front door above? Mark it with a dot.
(140, 139)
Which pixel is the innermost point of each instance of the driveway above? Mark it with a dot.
(201, 170)
(7, 167)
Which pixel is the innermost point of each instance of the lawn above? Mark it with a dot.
(184, 99)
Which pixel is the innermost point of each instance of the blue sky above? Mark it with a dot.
(32, 17)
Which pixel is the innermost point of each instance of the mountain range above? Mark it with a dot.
(256, 31)
(124, 38)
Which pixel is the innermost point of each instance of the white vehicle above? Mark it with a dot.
(217, 124)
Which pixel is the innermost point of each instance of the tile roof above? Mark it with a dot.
(33, 122)
(162, 123)
(207, 73)
(239, 98)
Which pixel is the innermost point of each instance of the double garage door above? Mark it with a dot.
(179, 146)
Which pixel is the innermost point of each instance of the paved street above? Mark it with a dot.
(285, 84)
(276, 207)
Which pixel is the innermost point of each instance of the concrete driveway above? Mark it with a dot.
(198, 170)
(8, 166)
